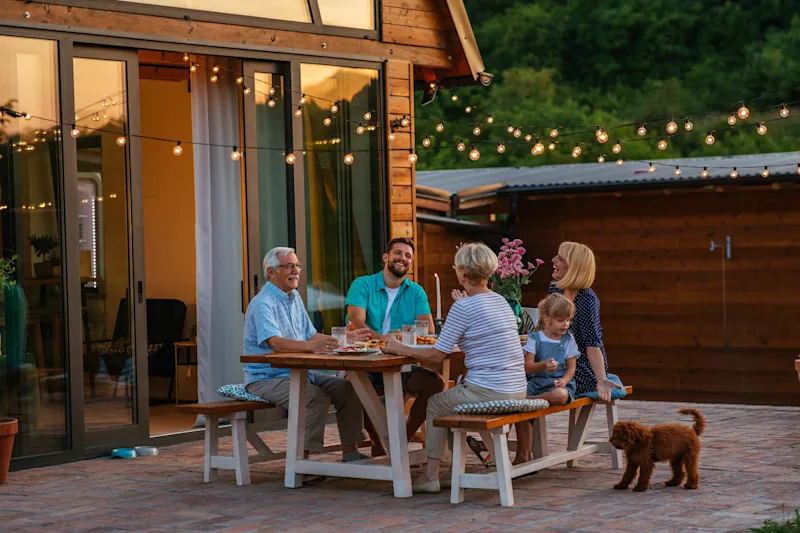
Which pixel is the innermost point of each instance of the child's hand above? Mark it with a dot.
(560, 383)
(552, 365)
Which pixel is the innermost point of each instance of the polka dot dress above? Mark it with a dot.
(586, 329)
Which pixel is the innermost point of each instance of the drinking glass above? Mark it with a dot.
(410, 335)
(422, 327)
(340, 334)
(397, 334)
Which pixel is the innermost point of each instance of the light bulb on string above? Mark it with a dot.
(734, 174)
(454, 97)
(798, 169)
(391, 135)
(412, 157)
(74, 132)
(601, 158)
(349, 158)
(121, 140)
(732, 119)
(247, 90)
(27, 116)
(215, 68)
(538, 148)
(185, 56)
(651, 168)
(710, 139)
(501, 148)
(551, 146)
(334, 108)
(271, 102)
(476, 130)
(468, 109)
(554, 133)
(302, 100)
(743, 112)
(510, 128)
(704, 173)
(576, 151)
(528, 138)
(601, 135)
(687, 125)
(761, 128)
(239, 79)
(235, 154)
(784, 112)
(298, 112)
(662, 144)
(426, 142)
(765, 173)
(271, 91)
(677, 171)
(617, 148)
(360, 129)
(642, 131)
(213, 78)
(461, 146)
(177, 149)
(517, 133)
(440, 126)
(290, 158)
(619, 162)
(490, 119)
(671, 127)
(368, 116)
(193, 67)
(327, 121)
(405, 121)
(474, 154)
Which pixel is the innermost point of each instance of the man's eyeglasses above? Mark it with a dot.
(292, 266)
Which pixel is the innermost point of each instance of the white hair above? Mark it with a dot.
(272, 259)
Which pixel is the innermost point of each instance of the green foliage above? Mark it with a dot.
(791, 525)
(7, 268)
(585, 62)
(43, 245)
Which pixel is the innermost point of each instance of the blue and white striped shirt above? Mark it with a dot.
(273, 313)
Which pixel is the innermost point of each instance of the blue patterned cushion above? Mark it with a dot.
(238, 392)
(501, 406)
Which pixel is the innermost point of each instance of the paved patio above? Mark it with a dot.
(750, 472)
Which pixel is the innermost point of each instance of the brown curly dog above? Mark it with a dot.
(645, 446)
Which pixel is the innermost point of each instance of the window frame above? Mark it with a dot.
(314, 27)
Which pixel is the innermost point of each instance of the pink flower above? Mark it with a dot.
(530, 265)
(517, 257)
(539, 262)
(521, 250)
(505, 240)
(517, 242)
(524, 272)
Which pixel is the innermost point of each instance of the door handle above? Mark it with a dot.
(140, 290)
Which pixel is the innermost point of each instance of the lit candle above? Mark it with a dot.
(438, 298)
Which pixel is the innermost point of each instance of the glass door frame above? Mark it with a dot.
(139, 430)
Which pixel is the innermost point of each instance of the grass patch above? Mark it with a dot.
(788, 525)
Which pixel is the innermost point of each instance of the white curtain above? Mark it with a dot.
(220, 321)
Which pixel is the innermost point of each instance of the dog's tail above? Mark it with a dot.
(699, 420)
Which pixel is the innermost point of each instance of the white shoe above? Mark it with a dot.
(429, 487)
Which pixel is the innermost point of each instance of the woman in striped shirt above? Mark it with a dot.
(485, 329)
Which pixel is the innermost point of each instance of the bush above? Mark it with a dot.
(787, 526)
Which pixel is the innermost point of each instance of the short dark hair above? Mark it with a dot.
(400, 240)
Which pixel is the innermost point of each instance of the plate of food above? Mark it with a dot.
(426, 340)
(357, 350)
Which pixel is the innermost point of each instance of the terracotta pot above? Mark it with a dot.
(8, 428)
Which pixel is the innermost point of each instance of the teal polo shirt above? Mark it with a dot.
(369, 292)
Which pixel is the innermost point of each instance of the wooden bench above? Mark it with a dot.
(494, 431)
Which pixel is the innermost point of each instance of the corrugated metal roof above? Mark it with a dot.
(589, 175)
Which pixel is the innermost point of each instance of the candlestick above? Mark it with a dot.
(438, 298)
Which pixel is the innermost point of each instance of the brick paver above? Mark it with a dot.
(750, 471)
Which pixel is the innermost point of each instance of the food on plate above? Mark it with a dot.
(426, 339)
(373, 344)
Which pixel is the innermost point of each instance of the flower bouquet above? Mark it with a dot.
(512, 274)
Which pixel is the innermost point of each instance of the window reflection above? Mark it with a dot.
(350, 14)
(292, 10)
(343, 204)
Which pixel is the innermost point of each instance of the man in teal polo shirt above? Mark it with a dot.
(386, 301)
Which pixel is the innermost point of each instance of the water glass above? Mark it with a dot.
(396, 334)
(422, 327)
(410, 335)
(340, 334)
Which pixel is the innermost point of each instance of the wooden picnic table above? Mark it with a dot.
(388, 419)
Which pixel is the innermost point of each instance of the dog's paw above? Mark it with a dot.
(620, 486)
(639, 488)
(672, 482)
(690, 486)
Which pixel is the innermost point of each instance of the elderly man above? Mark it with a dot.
(277, 321)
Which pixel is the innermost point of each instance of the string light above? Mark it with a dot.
(426, 142)
(554, 133)
(619, 162)
(734, 174)
(652, 168)
(501, 148)
(687, 125)
(576, 151)
(298, 112)
(761, 128)
(517, 133)
(468, 109)
(303, 100)
(74, 131)
(538, 148)
(704, 173)
(743, 112)
(461, 146)
(662, 144)
(602, 136)
(551, 146)
(213, 78)
(246, 90)
(290, 158)
(405, 121)
(528, 138)
(677, 171)
(334, 108)
(121, 140)
(642, 131)
(348, 159)
(765, 173)
(27, 116)
(360, 129)
(440, 126)
(510, 128)
(784, 112)
(271, 91)
(236, 154)
(412, 157)
(671, 126)
(368, 116)
(476, 130)
(474, 154)
(328, 121)
(490, 119)
(177, 149)
(601, 158)
(710, 139)
(391, 135)
(454, 97)
(617, 148)
(193, 67)
(185, 56)
(215, 68)
(239, 79)
(732, 119)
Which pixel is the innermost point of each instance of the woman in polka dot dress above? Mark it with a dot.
(574, 272)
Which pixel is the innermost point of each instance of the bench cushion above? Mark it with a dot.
(502, 406)
(238, 392)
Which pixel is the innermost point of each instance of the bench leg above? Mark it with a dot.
(612, 414)
(540, 448)
(296, 427)
(459, 466)
(211, 448)
(255, 441)
(240, 455)
(503, 463)
(579, 423)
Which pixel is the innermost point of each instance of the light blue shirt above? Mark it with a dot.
(273, 313)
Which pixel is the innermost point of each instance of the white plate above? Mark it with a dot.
(366, 351)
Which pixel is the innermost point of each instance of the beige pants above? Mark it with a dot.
(443, 404)
(322, 391)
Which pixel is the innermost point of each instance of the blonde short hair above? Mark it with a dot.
(477, 262)
(580, 266)
(554, 306)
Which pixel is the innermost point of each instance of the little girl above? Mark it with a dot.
(549, 362)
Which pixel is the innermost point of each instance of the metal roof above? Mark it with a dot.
(609, 174)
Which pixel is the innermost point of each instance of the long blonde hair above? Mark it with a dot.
(554, 306)
(580, 266)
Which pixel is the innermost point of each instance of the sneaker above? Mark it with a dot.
(428, 487)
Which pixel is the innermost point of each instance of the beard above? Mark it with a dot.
(397, 269)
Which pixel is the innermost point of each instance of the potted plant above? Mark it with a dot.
(8, 426)
(512, 274)
(44, 246)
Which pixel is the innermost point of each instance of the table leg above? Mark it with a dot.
(371, 402)
(296, 428)
(398, 443)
